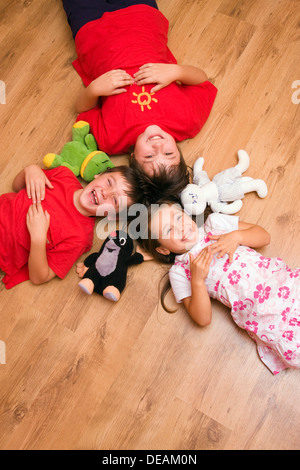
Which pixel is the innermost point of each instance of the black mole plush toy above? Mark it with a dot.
(105, 272)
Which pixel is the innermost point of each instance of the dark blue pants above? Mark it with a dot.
(80, 12)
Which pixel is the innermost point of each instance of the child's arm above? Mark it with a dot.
(34, 180)
(250, 235)
(38, 223)
(164, 74)
(199, 304)
(108, 84)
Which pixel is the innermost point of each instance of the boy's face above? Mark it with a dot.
(155, 147)
(174, 229)
(106, 194)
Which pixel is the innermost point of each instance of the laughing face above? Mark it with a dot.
(106, 194)
(155, 147)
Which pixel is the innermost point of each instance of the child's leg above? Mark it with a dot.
(151, 3)
(80, 12)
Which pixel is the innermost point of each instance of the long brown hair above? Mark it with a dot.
(150, 244)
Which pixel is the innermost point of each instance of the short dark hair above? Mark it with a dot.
(166, 183)
(133, 191)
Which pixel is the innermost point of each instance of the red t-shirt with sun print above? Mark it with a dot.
(124, 40)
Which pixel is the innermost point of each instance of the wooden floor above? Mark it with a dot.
(83, 373)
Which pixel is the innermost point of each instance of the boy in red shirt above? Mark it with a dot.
(48, 223)
(132, 95)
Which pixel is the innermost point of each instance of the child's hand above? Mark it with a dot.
(38, 223)
(200, 265)
(162, 74)
(111, 83)
(81, 269)
(36, 182)
(225, 244)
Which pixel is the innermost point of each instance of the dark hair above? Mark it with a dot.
(150, 244)
(165, 184)
(133, 191)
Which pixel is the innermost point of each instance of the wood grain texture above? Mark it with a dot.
(82, 373)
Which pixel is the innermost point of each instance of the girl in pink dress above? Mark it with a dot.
(216, 261)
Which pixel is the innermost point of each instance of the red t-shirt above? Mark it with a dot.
(69, 236)
(127, 39)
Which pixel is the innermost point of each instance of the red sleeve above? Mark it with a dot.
(202, 98)
(62, 174)
(79, 69)
(63, 256)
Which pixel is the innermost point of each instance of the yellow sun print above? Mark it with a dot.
(144, 99)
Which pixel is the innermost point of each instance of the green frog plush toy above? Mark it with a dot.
(80, 155)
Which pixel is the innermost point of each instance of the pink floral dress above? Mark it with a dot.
(262, 293)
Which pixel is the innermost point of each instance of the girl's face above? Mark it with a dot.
(154, 148)
(106, 193)
(175, 230)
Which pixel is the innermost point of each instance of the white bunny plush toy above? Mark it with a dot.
(224, 192)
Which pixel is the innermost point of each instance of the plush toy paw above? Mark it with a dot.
(81, 269)
(87, 286)
(112, 293)
(51, 160)
(250, 184)
(226, 208)
(262, 188)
